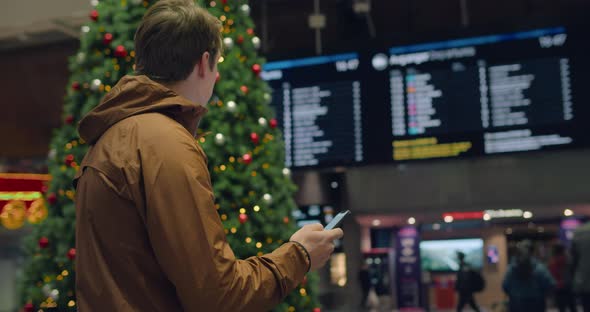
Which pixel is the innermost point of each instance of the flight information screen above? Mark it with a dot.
(472, 96)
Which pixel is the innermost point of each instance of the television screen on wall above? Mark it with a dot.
(441, 255)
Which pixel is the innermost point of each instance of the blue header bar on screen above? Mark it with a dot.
(474, 41)
(316, 60)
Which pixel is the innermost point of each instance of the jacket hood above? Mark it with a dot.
(135, 95)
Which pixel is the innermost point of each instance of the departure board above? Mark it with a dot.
(318, 104)
(472, 96)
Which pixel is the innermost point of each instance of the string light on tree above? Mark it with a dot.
(244, 89)
(267, 198)
(262, 121)
(84, 29)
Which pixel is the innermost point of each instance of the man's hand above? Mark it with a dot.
(319, 243)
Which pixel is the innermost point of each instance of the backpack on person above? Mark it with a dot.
(477, 281)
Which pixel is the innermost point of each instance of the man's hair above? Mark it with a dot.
(172, 37)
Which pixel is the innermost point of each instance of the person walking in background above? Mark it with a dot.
(527, 282)
(581, 264)
(468, 282)
(365, 281)
(560, 269)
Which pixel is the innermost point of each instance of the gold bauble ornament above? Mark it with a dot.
(13, 214)
(37, 212)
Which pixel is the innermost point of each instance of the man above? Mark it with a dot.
(466, 284)
(148, 236)
(581, 264)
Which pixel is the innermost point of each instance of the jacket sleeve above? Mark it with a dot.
(189, 242)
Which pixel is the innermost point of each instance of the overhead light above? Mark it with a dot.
(334, 184)
(376, 222)
(487, 217)
(527, 215)
(568, 213)
(412, 220)
(449, 219)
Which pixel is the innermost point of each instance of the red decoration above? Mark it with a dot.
(317, 310)
(243, 218)
(69, 160)
(76, 85)
(244, 89)
(256, 69)
(240, 39)
(94, 15)
(304, 281)
(273, 123)
(120, 51)
(72, 253)
(250, 31)
(217, 77)
(44, 189)
(254, 137)
(224, 1)
(52, 198)
(247, 159)
(29, 307)
(107, 39)
(70, 119)
(286, 220)
(43, 242)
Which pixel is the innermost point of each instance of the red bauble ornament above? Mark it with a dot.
(120, 51)
(243, 218)
(52, 198)
(107, 39)
(240, 39)
(254, 137)
(76, 85)
(250, 31)
(94, 15)
(317, 310)
(286, 220)
(29, 307)
(44, 189)
(273, 123)
(69, 160)
(43, 242)
(247, 159)
(304, 281)
(72, 253)
(217, 77)
(70, 119)
(256, 69)
(224, 1)
(244, 89)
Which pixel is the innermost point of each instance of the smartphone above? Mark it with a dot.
(337, 220)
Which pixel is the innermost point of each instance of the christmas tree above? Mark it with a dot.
(243, 144)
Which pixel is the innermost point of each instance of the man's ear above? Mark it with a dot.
(203, 63)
